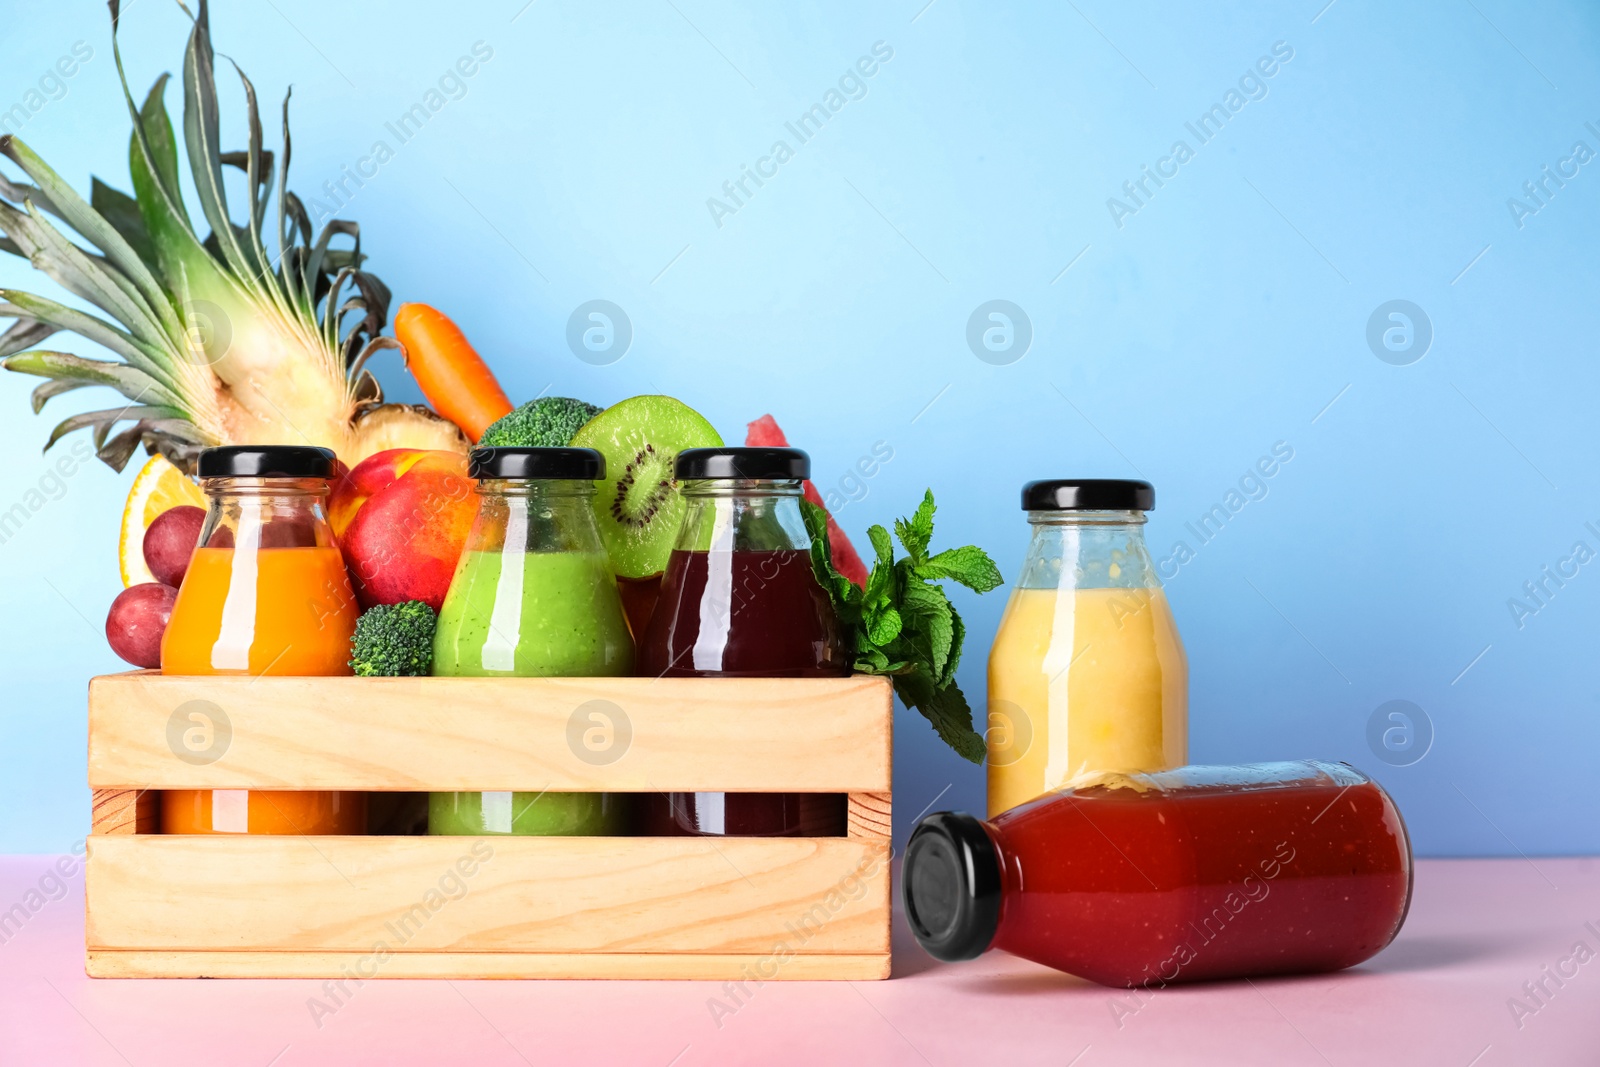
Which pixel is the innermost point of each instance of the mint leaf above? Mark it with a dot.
(958, 633)
(883, 626)
(947, 710)
(916, 533)
(902, 624)
(881, 545)
(871, 660)
(929, 613)
(969, 565)
(816, 521)
(880, 585)
(841, 590)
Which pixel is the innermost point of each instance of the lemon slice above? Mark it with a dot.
(158, 487)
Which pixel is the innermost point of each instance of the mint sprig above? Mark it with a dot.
(902, 623)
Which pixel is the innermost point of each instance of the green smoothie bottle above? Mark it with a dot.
(533, 595)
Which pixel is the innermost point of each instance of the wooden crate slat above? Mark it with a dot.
(730, 896)
(125, 811)
(681, 966)
(756, 734)
(870, 815)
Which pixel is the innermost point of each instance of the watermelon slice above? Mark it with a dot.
(765, 433)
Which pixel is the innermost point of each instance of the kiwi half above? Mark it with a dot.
(637, 505)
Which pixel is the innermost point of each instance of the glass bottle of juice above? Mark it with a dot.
(1179, 876)
(1087, 672)
(266, 593)
(739, 600)
(533, 595)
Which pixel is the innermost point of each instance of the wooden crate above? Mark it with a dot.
(489, 907)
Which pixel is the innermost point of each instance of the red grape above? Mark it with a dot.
(170, 541)
(137, 619)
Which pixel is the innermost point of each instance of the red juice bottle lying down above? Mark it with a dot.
(1178, 876)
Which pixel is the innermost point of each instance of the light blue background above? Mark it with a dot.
(1226, 316)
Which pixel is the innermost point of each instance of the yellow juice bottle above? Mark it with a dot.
(1087, 672)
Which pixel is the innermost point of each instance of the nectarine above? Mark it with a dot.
(401, 518)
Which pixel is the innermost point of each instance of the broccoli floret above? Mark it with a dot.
(394, 641)
(548, 422)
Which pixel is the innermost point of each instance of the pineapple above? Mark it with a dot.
(217, 341)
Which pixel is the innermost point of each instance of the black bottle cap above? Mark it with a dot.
(530, 464)
(265, 461)
(1088, 494)
(951, 886)
(766, 463)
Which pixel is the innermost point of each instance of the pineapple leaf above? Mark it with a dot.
(241, 161)
(122, 212)
(22, 192)
(151, 432)
(55, 387)
(78, 272)
(131, 382)
(77, 213)
(102, 421)
(116, 452)
(153, 163)
(156, 125)
(200, 134)
(140, 354)
(295, 210)
(253, 181)
(293, 222)
(372, 300)
(322, 264)
(23, 334)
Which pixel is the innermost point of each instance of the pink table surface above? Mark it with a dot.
(1441, 994)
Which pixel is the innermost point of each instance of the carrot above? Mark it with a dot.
(451, 374)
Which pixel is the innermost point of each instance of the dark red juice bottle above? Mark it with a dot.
(739, 600)
(1178, 876)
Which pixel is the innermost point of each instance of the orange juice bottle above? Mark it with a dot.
(266, 593)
